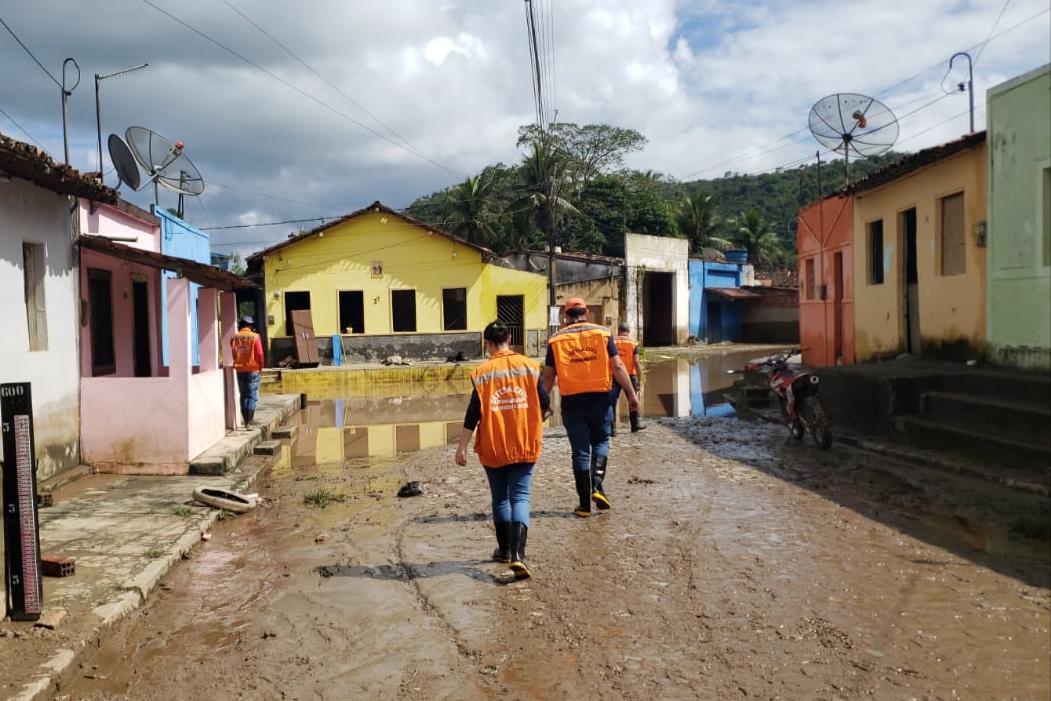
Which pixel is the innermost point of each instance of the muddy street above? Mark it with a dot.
(734, 564)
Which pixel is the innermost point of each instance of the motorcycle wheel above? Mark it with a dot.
(819, 427)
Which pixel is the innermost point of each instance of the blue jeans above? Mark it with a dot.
(509, 486)
(614, 394)
(588, 428)
(248, 384)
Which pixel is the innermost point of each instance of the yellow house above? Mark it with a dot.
(919, 254)
(383, 284)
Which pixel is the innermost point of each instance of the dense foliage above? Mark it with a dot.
(572, 190)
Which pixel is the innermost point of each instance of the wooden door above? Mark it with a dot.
(306, 346)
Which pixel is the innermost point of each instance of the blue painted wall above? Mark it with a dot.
(180, 239)
(704, 275)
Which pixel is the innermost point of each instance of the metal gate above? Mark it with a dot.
(510, 309)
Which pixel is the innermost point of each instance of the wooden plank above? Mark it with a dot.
(303, 326)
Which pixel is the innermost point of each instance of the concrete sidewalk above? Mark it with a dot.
(125, 533)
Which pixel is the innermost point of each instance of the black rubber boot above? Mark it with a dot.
(503, 542)
(636, 426)
(249, 416)
(519, 533)
(583, 480)
(598, 473)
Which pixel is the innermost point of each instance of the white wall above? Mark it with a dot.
(644, 253)
(30, 213)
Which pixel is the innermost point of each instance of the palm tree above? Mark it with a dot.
(700, 223)
(542, 194)
(755, 235)
(471, 203)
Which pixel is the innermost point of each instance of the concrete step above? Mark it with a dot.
(973, 445)
(1024, 387)
(1018, 421)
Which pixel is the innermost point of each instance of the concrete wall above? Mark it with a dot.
(1020, 221)
(773, 318)
(31, 214)
(825, 231)
(642, 254)
(410, 257)
(951, 307)
(375, 348)
(604, 293)
(184, 241)
(111, 222)
(156, 425)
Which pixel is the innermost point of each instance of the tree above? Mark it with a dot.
(602, 222)
(648, 210)
(542, 191)
(593, 148)
(470, 207)
(755, 235)
(700, 222)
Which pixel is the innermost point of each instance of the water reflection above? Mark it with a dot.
(333, 430)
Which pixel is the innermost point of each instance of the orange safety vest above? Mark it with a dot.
(512, 424)
(243, 347)
(626, 350)
(582, 359)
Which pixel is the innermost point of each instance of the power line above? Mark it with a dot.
(22, 129)
(884, 91)
(295, 87)
(31, 55)
(323, 79)
(269, 223)
(992, 29)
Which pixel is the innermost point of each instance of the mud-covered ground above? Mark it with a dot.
(733, 565)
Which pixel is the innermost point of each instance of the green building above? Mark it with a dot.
(1019, 221)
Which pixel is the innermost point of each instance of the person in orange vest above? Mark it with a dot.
(507, 408)
(247, 349)
(628, 350)
(584, 360)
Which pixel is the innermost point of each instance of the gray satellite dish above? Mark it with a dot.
(124, 162)
(165, 163)
(853, 124)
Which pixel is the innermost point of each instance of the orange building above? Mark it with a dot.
(826, 281)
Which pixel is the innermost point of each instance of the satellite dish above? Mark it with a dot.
(164, 161)
(853, 124)
(124, 162)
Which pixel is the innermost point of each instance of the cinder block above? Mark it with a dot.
(267, 447)
(55, 566)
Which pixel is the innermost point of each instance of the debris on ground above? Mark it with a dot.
(224, 499)
(395, 360)
(410, 489)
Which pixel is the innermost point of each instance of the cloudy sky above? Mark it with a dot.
(352, 101)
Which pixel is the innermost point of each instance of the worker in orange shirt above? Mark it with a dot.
(247, 349)
(584, 360)
(628, 350)
(507, 408)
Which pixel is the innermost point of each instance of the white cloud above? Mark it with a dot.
(711, 84)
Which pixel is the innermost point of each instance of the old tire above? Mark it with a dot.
(223, 499)
(819, 427)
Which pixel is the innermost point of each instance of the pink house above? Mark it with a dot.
(137, 415)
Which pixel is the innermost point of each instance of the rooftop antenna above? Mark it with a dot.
(66, 92)
(98, 110)
(165, 164)
(969, 85)
(849, 123)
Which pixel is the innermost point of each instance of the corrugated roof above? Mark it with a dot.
(202, 274)
(913, 162)
(25, 161)
(376, 207)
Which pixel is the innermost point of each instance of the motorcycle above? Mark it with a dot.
(796, 389)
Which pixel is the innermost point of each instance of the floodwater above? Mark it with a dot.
(335, 429)
(734, 564)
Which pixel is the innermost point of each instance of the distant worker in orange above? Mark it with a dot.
(507, 408)
(584, 360)
(247, 350)
(628, 350)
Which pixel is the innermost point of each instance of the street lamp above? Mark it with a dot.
(98, 112)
